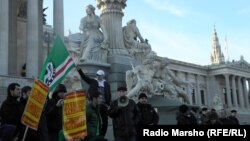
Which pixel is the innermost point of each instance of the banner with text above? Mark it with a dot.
(34, 106)
(74, 115)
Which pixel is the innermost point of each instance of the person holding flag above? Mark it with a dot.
(55, 68)
(99, 84)
(55, 112)
(57, 65)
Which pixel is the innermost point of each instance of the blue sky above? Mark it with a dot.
(178, 29)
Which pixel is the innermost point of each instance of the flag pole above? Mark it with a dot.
(25, 133)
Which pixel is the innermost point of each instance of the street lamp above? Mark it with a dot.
(47, 40)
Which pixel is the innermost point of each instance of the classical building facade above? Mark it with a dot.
(228, 80)
(22, 42)
(22, 35)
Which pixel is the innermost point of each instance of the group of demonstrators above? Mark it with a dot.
(204, 116)
(125, 113)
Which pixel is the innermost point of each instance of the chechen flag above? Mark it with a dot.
(57, 65)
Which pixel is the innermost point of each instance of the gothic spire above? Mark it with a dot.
(217, 56)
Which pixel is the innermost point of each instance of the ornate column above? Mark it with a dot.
(240, 92)
(236, 104)
(111, 17)
(12, 38)
(4, 36)
(245, 95)
(32, 58)
(229, 100)
(111, 21)
(58, 18)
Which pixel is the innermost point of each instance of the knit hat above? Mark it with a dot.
(142, 95)
(183, 108)
(233, 111)
(204, 109)
(61, 88)
(121, 88)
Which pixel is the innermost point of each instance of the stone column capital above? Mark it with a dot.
(111, 4)
(238, 77)
(226, 75)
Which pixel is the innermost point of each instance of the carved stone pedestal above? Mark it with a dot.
(119, 65)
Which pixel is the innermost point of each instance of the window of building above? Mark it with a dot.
(224, 95)
(193, 96)
(202, 97)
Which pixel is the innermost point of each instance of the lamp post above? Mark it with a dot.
(47, 40)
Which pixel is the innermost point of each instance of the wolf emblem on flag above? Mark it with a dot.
(49, 74)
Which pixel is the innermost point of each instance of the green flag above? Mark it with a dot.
(57, 65)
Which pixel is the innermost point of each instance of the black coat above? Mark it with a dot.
(234, 120)
(183, 119)
(11, 111)
(125, 118)
(93, 86)
(147, 114)
(54, 115)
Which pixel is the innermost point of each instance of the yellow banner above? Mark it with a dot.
(34, 106)
(74, 115)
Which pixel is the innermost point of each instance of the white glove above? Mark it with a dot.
(59, 103)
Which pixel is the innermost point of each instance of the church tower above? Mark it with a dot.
(217, 56)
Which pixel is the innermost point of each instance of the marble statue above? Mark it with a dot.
(217, 102)
(134, 42)
(139, 79)
(94, 44)
(72, 81)
(22, 8)
(154, 78)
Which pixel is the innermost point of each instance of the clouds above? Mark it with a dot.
(167, 6)
(178, 29)
(244, 11)
(176, 45)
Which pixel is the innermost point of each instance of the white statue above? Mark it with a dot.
(72, 81)
(94, 41)
(140, 80)
(154, 78)
(217, 102)
(131, 34)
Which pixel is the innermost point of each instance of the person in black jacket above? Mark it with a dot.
(101, 85)
(233, 117)
(25, 93)
(54, 113)
(31, 134)
(11, 109)
(125, 115)
(148, 115)
(184, 117)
